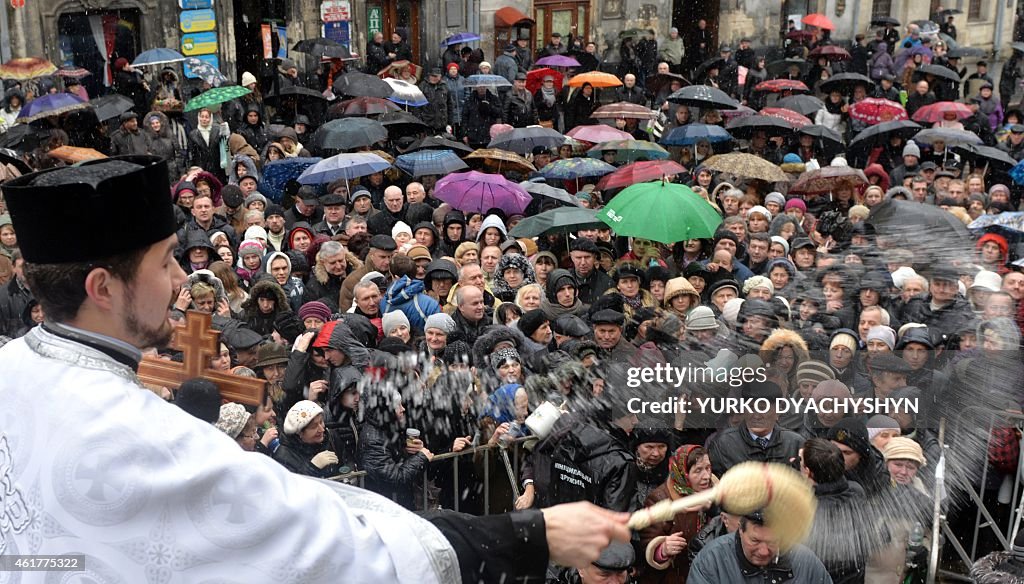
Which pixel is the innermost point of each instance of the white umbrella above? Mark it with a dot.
(406, 93)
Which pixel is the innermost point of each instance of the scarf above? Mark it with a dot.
(548, 95)
(677, 470)
(204, 131)
(636, 302)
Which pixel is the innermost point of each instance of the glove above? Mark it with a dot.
(325, 458)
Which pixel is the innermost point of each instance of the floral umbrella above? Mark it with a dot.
(25, 68)
(875, 110)
(624, 110)
(216, 96)
(780, 85)
(630, 150)
(499, 161)
(795, 119)
(935, 113)
(53, 104)
(746, 166)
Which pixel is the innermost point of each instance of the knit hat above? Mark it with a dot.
(418, 252)
(401, 227)
(815, 371)
(440, 321)
(502, 355)
(758, 282)
(392, 320)
(796, 204)
(271, 210)
(762, 210)
(233, 418)
(701, 318)
(315, 309)
(531, 321)
(200, 398)
(884, 334)
(901, 275)
(775, 197)
(989, 281)
(853, 433)
(255, 197)
(247, 78)
(792, 158)
(781, 241)
(300, 415)
(845, 338)
(911, 149)
(457, 352)
(830, 388)
(731, 311)
(250, 246)
(900, 448)
(255, 232)
(879, 422)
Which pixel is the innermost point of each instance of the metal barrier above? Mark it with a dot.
(984, 519)
(511, 453)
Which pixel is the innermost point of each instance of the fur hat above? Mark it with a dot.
(300, 415)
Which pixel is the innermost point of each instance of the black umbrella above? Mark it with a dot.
(746, 126)
(659, 80)
(880, 133)
(926, 229)
(356, 84)
(988, 154)
(884, 20)
(349, 133)
(23, 137)
(845, 82)
(779, 67)
(439, 143)
(947, 11)
(11, 157)
(938, 71)
(321, 47)
(110, 106)
(805, 105)
(703, 96)
(402, 124)
(822, 133)
(961, 52)
(301, 95)
(712, 63)
(544, 191)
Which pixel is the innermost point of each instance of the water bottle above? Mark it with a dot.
(915, 541)
(273, 443)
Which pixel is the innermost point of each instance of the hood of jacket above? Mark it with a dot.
(552, 285)
(262, 288)
(492, 221)
(402, 290)
(680, 287)
(343, 338)
(491, 337)
(165, 125)
(207, 277)
(512, 260)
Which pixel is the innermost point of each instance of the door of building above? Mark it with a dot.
(400, 14)
(566, 18)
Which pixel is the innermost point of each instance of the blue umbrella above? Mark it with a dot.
(278, 173)
(53, 104)
(486, 81)
(574, 168)
(158, 56)
(1010, 225)
(458, 38)
(426, 162)
(690, 134)
(1017, 174)
(347, 166)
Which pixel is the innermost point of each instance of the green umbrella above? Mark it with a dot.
(557, 221)
(216, 96)
(661, 211)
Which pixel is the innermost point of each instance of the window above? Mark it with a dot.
(881, 8)
(974, 10)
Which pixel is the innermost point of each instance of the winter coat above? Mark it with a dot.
(843, 552)
(633, 94)
(723, 561)
(457, 95)
(518, 110)
(479, 113)
(689, 523)
(578, 111)
(162, 143)
(881, 63)
(439, 111)
(389, 470)
(255, 134)
(250, 166)
(217, 224)
(123, 142)
(506, 66)
(206, 155)
(14, 297)
(297, 456)
(734, 445)
(595, 284)
(264, 324)
(376, 57)
(407, 295)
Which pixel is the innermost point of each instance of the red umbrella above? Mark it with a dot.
(535, 78)
(936, 112)
(790, 116)
(780, 85)
(819, 21)
(830, 52)
(800, 35)
(639, 172)
(363, 106)
(875, 110)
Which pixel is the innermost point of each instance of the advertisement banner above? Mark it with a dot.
(202, 43)
(198, 20)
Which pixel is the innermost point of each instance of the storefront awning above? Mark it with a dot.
(509, 16)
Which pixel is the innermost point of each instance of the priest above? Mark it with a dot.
(93, 464)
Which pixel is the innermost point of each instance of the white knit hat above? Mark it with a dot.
(301, 414)
(401, 227)
(247, 78)
(232, 419)
(758, 282)
(392, 320)
(731, 311)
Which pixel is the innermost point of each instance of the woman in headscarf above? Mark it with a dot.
(582, 103)
(665, 543)
(547, 102)
(512, 273)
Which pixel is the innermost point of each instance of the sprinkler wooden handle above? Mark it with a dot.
(667, 509)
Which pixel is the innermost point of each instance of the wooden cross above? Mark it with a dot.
(200, 344)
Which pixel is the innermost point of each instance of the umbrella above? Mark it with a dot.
(53, 104)
(781, 67)
(630, 150)
(822, 133)
(426, 162)
(961, 52)
(800, 35)
(624, 109)
(1017, 173)
(927, 230)
(216, 96)
(828, 179)
(771, 125)
(499, 161)
(362, 106)
(524, 140)
(875, 110)
(661, 211)
(70, 72)
(558, 61)
(795, 119)
(830, 52)
(949, 136)
(597, 133)
(806, 105)
(703, 96)
(690, 134)
(297, 92)
(438, 143)
(746, 166)
(818, 21)
(277, 174)
(631, 32)
(712, 63)
(546, 191)
(947, 11)
(656, 82)
(405, 93)
(492, 81)
(879, 134)
(884, 20)
(478, 192)
(934, 113)
(927, 27)
(349, 133)
(535, 78)
(575, 168)
(23, 137)
(741, 112)
(987, 153)
(845, 82)
(111, 106)
(459, 38)
(938, 71)
(25, 68)
(780, 85)
(638, 172)
(402, 124)
(343, 166)
(559, 221)
(596, 79)
(205, 71)
(157, 56)
(356, 84)
(1009, 225)
(73, 154)
(321, 47)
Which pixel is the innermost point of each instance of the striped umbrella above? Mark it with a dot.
(428, 162)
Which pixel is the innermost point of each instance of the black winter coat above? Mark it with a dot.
(14, 297)
(389, 470)
(478, 115)
(206, 155)
(297, 456)
(734, 445)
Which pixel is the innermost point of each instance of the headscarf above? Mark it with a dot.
(677, 469)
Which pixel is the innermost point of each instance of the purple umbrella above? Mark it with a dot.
(478, 192)
(458, 38)
(558, 61)
(53, 104)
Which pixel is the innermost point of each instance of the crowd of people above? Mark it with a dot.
(391, 327)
